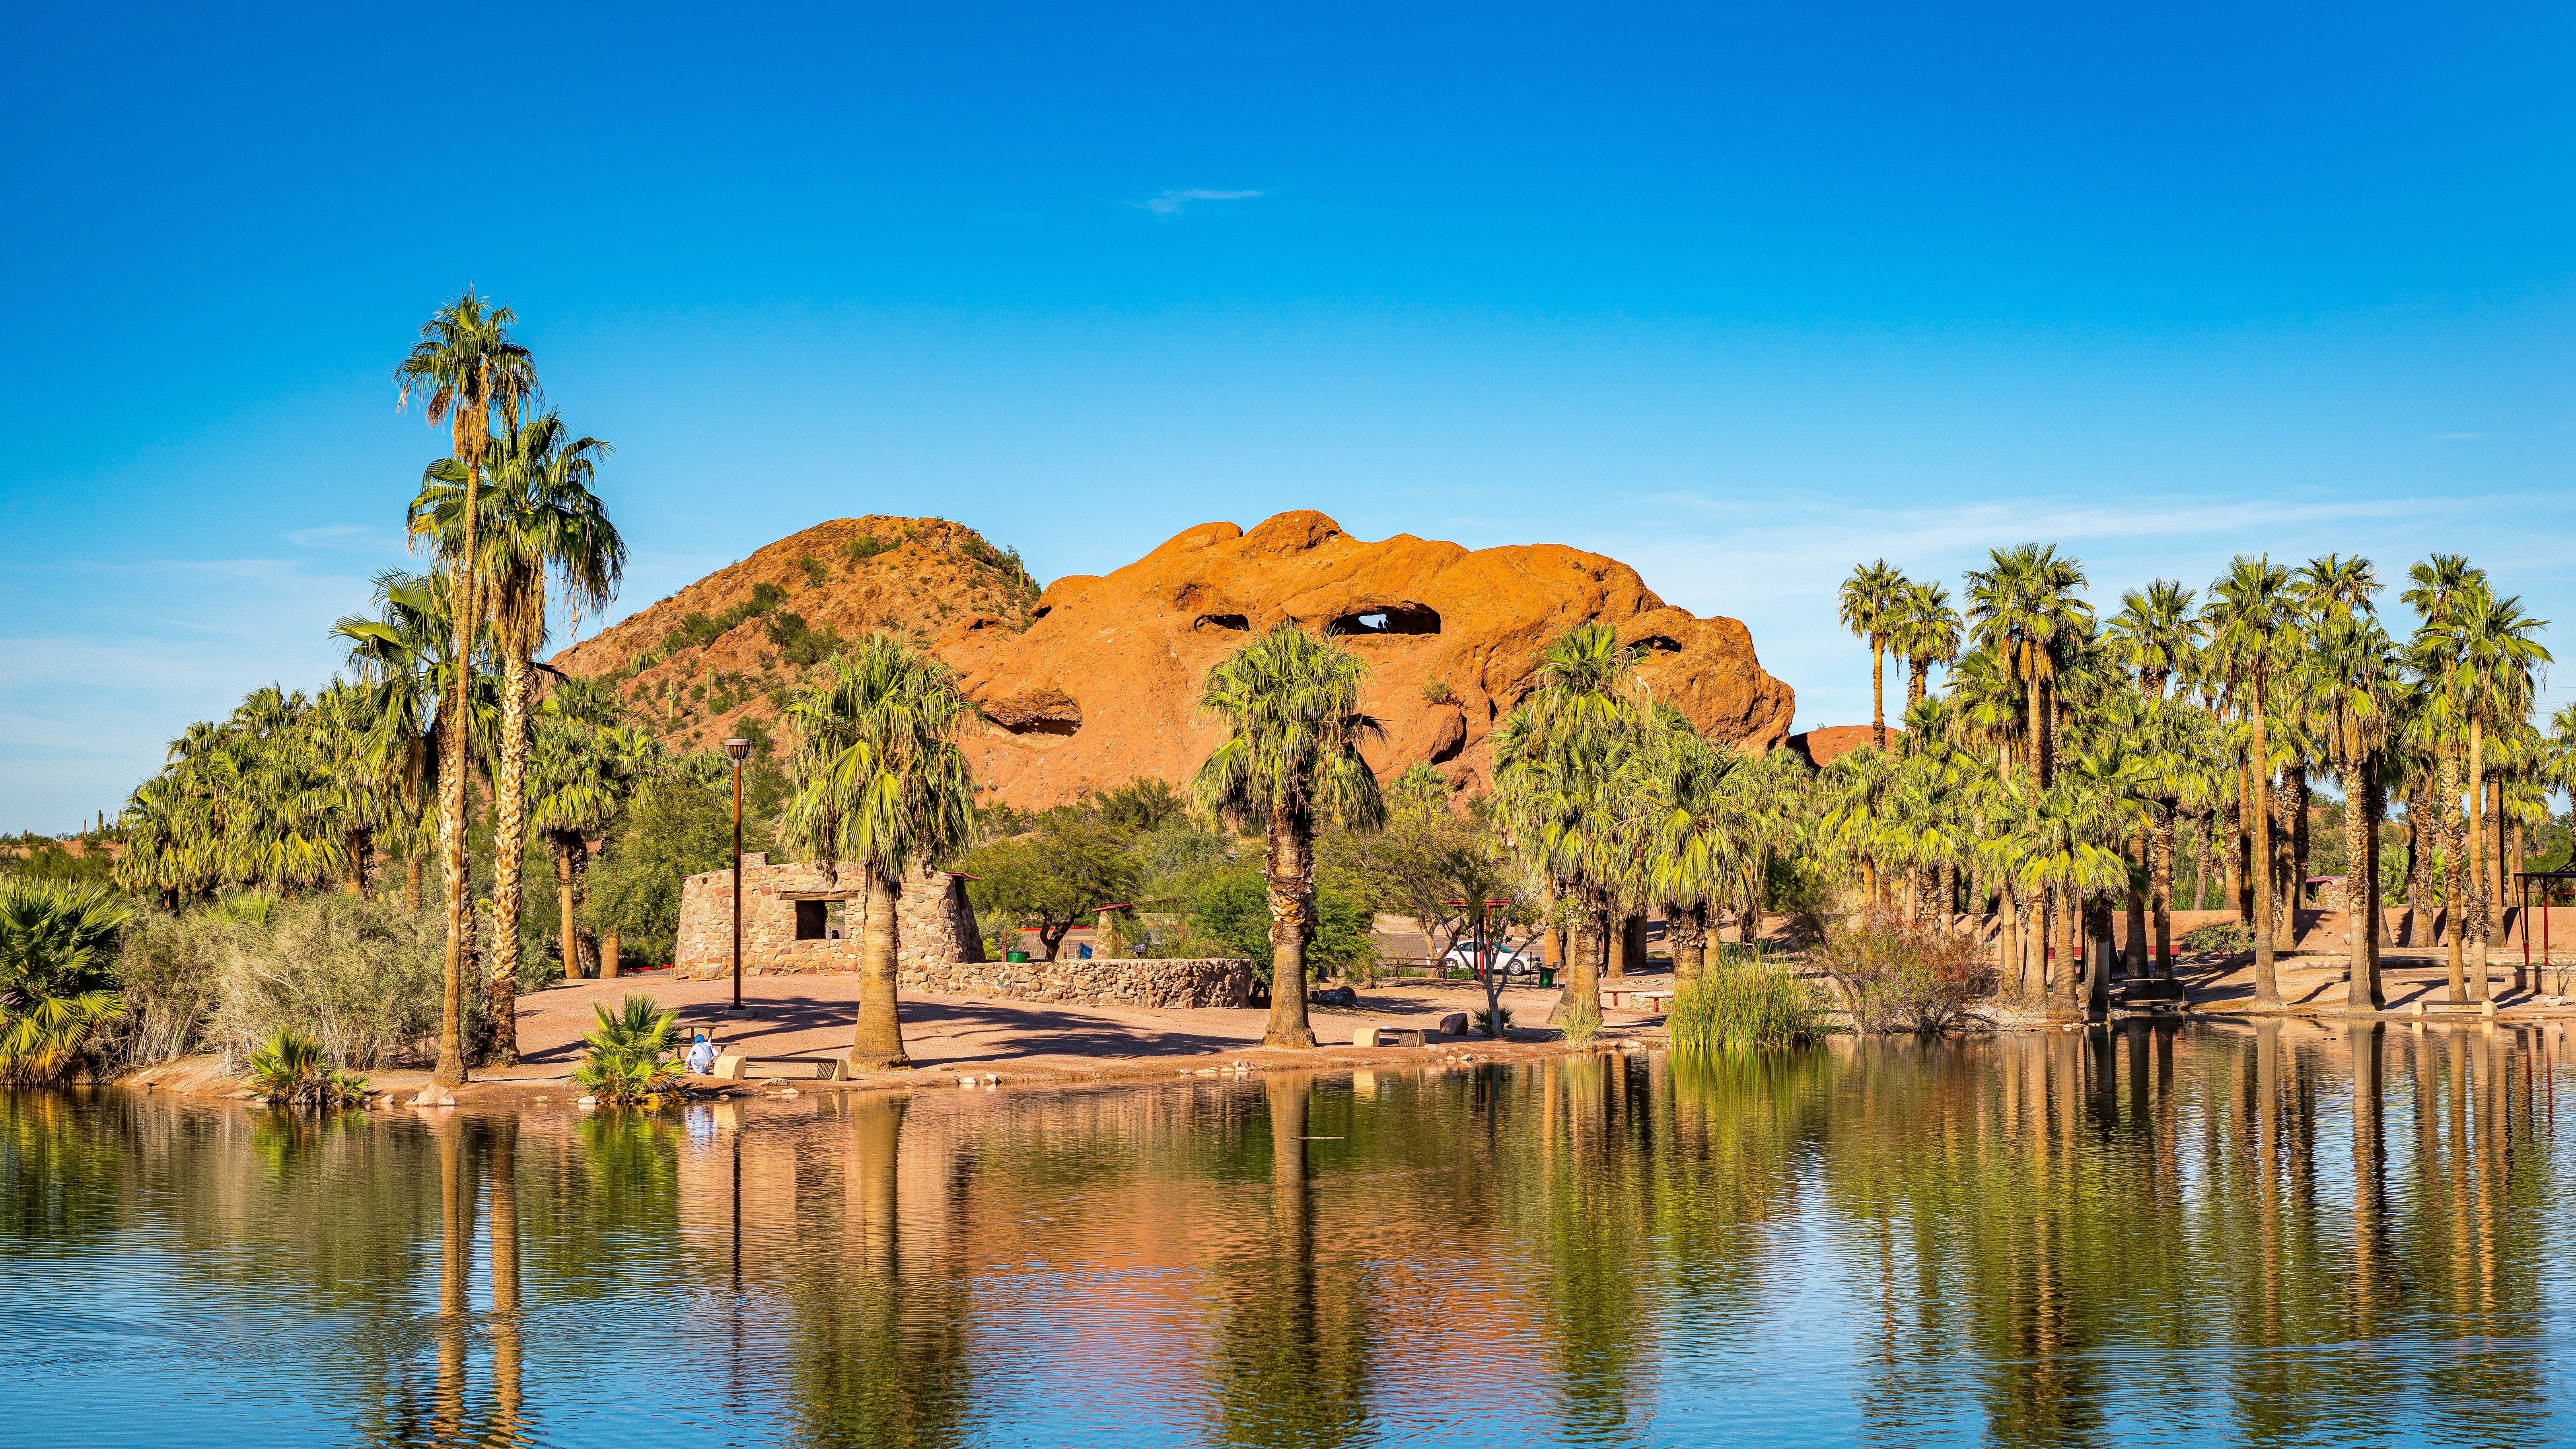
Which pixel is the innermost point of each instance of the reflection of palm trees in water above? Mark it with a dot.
(1291, 1353)
(475, 1154)
(881, 1345)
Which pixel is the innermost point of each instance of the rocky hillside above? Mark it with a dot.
(1094, 682)
(718, 657)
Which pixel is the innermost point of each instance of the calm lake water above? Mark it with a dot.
(2284, 1234)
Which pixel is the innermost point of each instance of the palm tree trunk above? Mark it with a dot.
(2267, 987)
(509, 849)
(1578, 1005)
(2134, 959)
(2240, 845)
(876, 1045)
(2414, 885)
(2295, 779)
(2480, 987)
(360, 844)
(1915, 686)
(2061, 986)
(1878, 695)
(1292, 898)
(2361, 987)
(567, 934)
(1686, 928)
(2008, 961)
(450, 1070)
(2160, 885)
(411, 885)
(2454, 877)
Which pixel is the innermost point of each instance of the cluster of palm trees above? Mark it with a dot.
(294, 793)
(2051, 781)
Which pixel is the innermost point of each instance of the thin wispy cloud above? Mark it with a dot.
(1170, 203)
(2462, 437)
(346, 537)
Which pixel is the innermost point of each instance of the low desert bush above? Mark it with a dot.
(2223, 937)
(361, 977)
(1756, 1004)
(1898, 975)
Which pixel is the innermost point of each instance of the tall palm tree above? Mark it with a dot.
(2252, 619)
(2351, 671)
(467, 369)
(2154, 634)
(2439, 731)
(1870, 600)
(403, 657)
(2495, 653)
(540, 521)
(1925, 633)
(2024, 610)
(1291, 703)
(878, 779)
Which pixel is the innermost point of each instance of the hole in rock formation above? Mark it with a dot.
(1036, 712)
(1658, 644)
(1221, 621)
(1042, 611)
(1387, 619)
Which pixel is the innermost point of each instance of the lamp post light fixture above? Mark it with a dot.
(740, 750)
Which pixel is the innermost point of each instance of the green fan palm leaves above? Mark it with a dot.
(57, 982)
(2155, 635)
(1869, 606)
(627, 1056)
(540, 523)
(878, 780)
(2024, 609)
(2060, 852)
(469, 374)
(1290, 702)
(1924, 632)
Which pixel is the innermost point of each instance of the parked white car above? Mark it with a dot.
(1521, 960)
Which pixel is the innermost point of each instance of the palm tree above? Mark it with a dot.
(878, 779)
(466, 368)
(2154, 635)
(403, 658)
(1706, 842)
(2351, 669)
(1871, 598)
(540, 520)
(2252, 619)
(1291, 702)
(2439, 731)
(1564, 763)
(2025, 611)
(2494, 654)
(586, 763)
(1925, 633)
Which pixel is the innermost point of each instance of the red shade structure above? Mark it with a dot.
(2523, 880)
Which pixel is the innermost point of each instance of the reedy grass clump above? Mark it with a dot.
(1757, 1004)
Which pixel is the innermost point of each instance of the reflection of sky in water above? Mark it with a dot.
(2032, 1240)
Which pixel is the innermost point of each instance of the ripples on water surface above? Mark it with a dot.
(2289, 1234)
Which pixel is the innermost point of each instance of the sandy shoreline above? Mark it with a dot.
(994, 1041)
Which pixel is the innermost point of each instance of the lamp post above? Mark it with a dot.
(740, 749)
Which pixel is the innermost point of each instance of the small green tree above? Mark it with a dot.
(1055, 877)
(57, 983)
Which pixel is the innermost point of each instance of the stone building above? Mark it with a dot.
(794, 921)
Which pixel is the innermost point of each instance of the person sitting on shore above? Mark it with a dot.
(701, 1058)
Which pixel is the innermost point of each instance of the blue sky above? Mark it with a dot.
(1738, 295)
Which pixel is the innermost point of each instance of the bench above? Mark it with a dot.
(2422, 1007)
(1649, 1001)
(1378, 1036)
(734, 1067)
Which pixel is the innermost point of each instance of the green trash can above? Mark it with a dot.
(1015, 955)
(1546, 977)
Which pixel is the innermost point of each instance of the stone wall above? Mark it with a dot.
(933, 924)
(1100, 981)
(937, 948)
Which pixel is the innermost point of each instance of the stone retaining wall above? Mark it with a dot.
(1100, 981)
